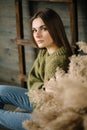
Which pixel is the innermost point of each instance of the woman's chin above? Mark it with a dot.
(41, 47)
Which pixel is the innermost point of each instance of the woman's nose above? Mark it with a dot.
(38, 33)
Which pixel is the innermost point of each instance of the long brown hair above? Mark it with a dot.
(55, 27)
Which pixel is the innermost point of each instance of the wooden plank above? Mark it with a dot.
(10, 76)
(66, 1)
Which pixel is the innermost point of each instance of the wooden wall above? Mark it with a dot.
(9, 63)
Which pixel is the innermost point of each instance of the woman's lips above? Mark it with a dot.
(40, 41)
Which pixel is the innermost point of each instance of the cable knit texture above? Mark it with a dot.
(45, 67)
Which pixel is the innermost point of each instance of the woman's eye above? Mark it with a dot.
(44, 28)
(34, 30)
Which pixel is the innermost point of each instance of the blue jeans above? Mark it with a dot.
(15, 96)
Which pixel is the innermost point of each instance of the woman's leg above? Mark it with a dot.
(15, 96)
(13, 120)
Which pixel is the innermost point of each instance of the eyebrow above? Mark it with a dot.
(39, 26)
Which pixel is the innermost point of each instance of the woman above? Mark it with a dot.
(49, 35)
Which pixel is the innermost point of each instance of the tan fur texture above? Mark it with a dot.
(63, 104)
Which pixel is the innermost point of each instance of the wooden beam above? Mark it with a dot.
(73, 24)
(20, 35)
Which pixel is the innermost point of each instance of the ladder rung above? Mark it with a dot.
(24, 42)
(23, 77)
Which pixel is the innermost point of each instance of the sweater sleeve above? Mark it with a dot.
(36, 76)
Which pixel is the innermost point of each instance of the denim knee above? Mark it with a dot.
(2, 92)
(2, 89)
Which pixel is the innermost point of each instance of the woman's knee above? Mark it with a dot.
(4, 89)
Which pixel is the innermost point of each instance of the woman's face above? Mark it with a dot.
(41, 35)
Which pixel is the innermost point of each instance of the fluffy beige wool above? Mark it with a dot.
(63, 104)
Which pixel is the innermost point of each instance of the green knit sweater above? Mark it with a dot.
(45, 67)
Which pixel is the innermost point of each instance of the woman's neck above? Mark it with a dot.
(51, 50)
